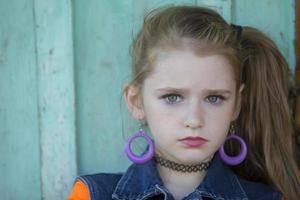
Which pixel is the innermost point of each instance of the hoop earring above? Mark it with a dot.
(146, 156)
(233, 160)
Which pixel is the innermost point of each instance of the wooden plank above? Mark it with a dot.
(19, 132)
(54, 49)
(102, 31)
(223, 7)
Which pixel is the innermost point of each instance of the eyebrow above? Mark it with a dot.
(171, 89)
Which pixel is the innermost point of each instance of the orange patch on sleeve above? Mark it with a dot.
(79, 192)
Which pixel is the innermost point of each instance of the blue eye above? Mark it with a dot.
(215, 99)
(172, 98)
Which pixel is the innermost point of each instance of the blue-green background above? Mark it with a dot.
(62, 67)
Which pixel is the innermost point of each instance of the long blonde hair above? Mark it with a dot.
(265, 120)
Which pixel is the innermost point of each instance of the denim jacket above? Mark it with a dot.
(142, 182)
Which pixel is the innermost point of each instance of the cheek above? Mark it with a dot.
(161, 121)
(159, 113)
(224, 112)
(222, 117)
(219, 121)
(161, 128)
(162, 124)
(217, 130)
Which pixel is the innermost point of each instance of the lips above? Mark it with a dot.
(193, 142)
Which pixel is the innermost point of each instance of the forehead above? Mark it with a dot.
(183, 68)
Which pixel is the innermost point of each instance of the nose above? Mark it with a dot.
(195, 116)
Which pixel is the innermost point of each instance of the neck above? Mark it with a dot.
(179, 183)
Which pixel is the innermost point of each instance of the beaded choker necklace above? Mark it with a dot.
(181, 167)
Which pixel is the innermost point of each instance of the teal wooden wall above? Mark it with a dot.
(62, 66)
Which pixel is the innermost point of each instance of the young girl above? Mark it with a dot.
(198, 84)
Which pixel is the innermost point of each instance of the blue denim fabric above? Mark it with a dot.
(141, 182)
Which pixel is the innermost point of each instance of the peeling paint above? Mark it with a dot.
(51, 51)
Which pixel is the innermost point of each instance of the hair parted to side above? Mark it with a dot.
(183, 27)
(265, 120)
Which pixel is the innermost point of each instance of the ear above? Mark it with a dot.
(238, 103)
(133, 99)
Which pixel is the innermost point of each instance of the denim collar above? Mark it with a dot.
(142, 181)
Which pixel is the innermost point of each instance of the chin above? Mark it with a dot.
(194, 158)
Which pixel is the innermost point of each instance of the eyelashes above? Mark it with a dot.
(215, 99)
(176, 98)
(172, 98)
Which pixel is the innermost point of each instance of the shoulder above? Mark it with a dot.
(259, 191)
(100, 185)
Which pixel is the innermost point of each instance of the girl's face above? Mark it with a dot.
(188, 103)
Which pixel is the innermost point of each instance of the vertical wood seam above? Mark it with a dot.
(56, 96)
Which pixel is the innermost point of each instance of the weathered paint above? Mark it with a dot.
(55, 78)
(37, 83)
(223, 7)
(276, 18)
(19, 135)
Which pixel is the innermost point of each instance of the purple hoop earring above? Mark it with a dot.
(145, 157)
(233, 160)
